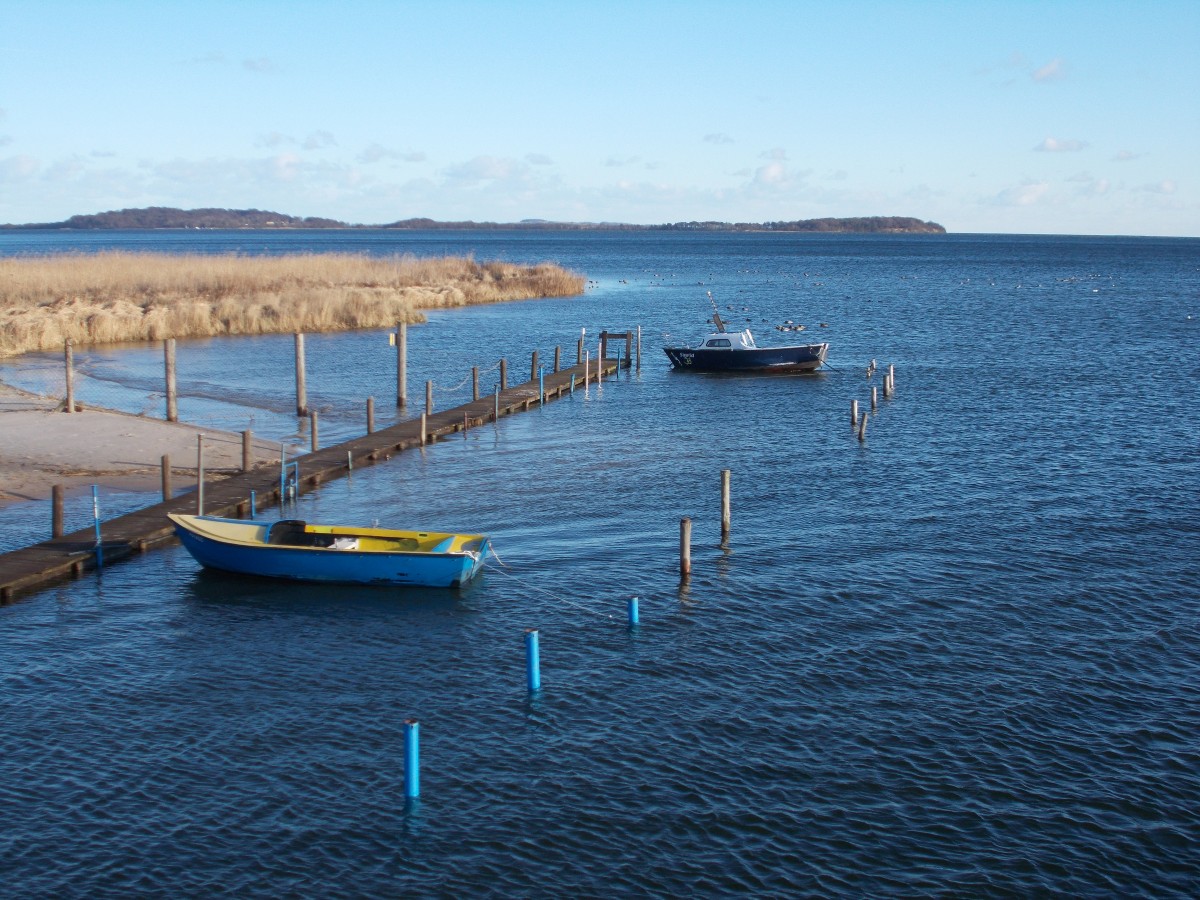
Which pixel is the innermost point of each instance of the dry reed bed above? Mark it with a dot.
(112, 297)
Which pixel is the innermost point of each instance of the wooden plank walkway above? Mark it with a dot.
(33, 568)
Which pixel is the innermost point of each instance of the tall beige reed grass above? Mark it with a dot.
(112, 297)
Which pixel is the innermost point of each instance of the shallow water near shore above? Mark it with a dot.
(960, 657)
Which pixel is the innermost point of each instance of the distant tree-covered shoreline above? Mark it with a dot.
(155, 217)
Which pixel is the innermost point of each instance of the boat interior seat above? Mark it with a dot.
(289, 533)
(442, 546)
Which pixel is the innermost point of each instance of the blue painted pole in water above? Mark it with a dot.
(533, 670)
(412, 759)
(253, 511)
(496, 410)
(572, 382)
(96, 518)
(633, 610)
(541, 385)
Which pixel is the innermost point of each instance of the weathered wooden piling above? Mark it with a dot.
(862, 426)
(56, 511)
(172, 387)
(429, 398)
(401, 364)
(199, 474)
(533, 366)
(247, 438)
(370, 415)
(301, 388)
(166, 477)
(504, 374)
(312, 424)
(853, 413)
(69, 359)
(875, 396)
(725, 506)
(474, 383)
(557, 358)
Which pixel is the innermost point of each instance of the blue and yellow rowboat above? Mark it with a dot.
(299, 551)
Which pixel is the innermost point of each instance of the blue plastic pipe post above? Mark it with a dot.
(96, 517)
(533, 672)
(541, 385)
(633, 610)
(253, 511)
(412, 759)
(572, 382)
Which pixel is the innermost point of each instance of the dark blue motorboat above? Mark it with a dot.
(735, 351)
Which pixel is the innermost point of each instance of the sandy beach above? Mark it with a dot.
(41, 446)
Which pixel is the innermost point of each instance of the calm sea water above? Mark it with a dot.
(961, 658)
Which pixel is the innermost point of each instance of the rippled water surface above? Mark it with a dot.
(959, 658)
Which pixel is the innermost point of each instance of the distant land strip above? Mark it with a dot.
(154, 217)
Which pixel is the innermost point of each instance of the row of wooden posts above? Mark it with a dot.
(400, 338)
(859, 422)
(58, 492)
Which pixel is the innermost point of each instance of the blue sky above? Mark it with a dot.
(1027, 117)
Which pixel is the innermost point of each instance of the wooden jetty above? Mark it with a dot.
(33, 568)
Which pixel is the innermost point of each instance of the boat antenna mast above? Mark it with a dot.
(716, 313)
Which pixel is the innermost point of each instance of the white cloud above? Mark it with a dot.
(1057, 145)
(777, 153)
(1055, 70)
(773, 174)
(1026, 194)
(486, 168)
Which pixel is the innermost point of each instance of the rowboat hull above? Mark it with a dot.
(803, 358)
(245, 547)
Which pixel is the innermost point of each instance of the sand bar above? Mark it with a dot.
(41, 446)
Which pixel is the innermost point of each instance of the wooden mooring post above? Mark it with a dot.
(301, 388)
(56, 511)
(401, 364)
(172, 388)
(69, 359)
(725, 506)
